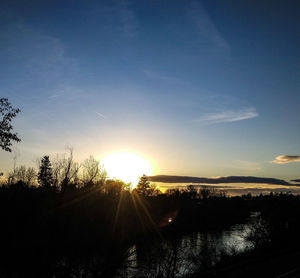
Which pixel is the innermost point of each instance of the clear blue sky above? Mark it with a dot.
(202, 88)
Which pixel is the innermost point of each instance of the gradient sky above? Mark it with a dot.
(201, 88)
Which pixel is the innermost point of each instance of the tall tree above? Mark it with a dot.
(143, 186)
(7, 112)
(22, 173)
(92, 172)
(45, 176)
(70, 170)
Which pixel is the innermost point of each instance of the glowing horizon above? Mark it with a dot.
(127, 166)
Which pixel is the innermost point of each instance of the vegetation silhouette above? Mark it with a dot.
(45, 176)
(76, 222)
(6, 129)
(143, 186)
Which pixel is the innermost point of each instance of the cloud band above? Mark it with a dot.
(283, 159)
(230, 179)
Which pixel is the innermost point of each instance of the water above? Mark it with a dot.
(173, 256)
(181, 255)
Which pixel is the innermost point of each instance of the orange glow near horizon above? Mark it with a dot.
(127, 166)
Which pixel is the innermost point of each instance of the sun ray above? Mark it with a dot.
(137, 210)
(121, 197)
(135, 197)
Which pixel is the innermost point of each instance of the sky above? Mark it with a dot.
(199, 88)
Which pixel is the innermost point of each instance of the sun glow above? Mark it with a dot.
(127, 166)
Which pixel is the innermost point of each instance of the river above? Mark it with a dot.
(180, 255)
(169, 256)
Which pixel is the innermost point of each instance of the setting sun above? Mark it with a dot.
(127, 166)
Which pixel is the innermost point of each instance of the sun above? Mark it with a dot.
(127, 166)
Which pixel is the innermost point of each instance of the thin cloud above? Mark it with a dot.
(283, 159)
(206, 28)
(37, 52)
(228, 116)
(101, 115)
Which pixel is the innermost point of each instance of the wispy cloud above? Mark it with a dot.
(283, 159)
(37, 53)
(228, 116)
(206, 27)
(101, 115)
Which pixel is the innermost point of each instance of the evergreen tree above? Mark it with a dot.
(45, 176)
(143, 186)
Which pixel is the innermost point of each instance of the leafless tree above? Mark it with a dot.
(56, 170)
(64, 169)
(22, 173)
(31, 175)
(93, 173)
(69, 169)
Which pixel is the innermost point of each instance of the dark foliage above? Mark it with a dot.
(6, 129)
(143, 186)
(92, 230)
(45, 176)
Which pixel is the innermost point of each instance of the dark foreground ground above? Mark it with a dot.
(88, 233)
(284, 264)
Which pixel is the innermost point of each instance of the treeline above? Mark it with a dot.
(43, 225)
(67, 201)
(72, 210)
(62, 174)
(64, 202)
(58, 173)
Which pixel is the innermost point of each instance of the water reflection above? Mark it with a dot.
(173, 256)
(181, 255)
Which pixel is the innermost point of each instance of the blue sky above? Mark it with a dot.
(203, 88)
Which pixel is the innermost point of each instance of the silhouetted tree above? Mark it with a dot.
(6, 135)
(30, 175)
(23, 174)
(143, 186)
(173, 192)
(57, 170)
(45, 175)
(153, 190)
(20, 173)
(192, 191)
(206, 192)
(69, 170)
(114, 187)
(93, 173)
